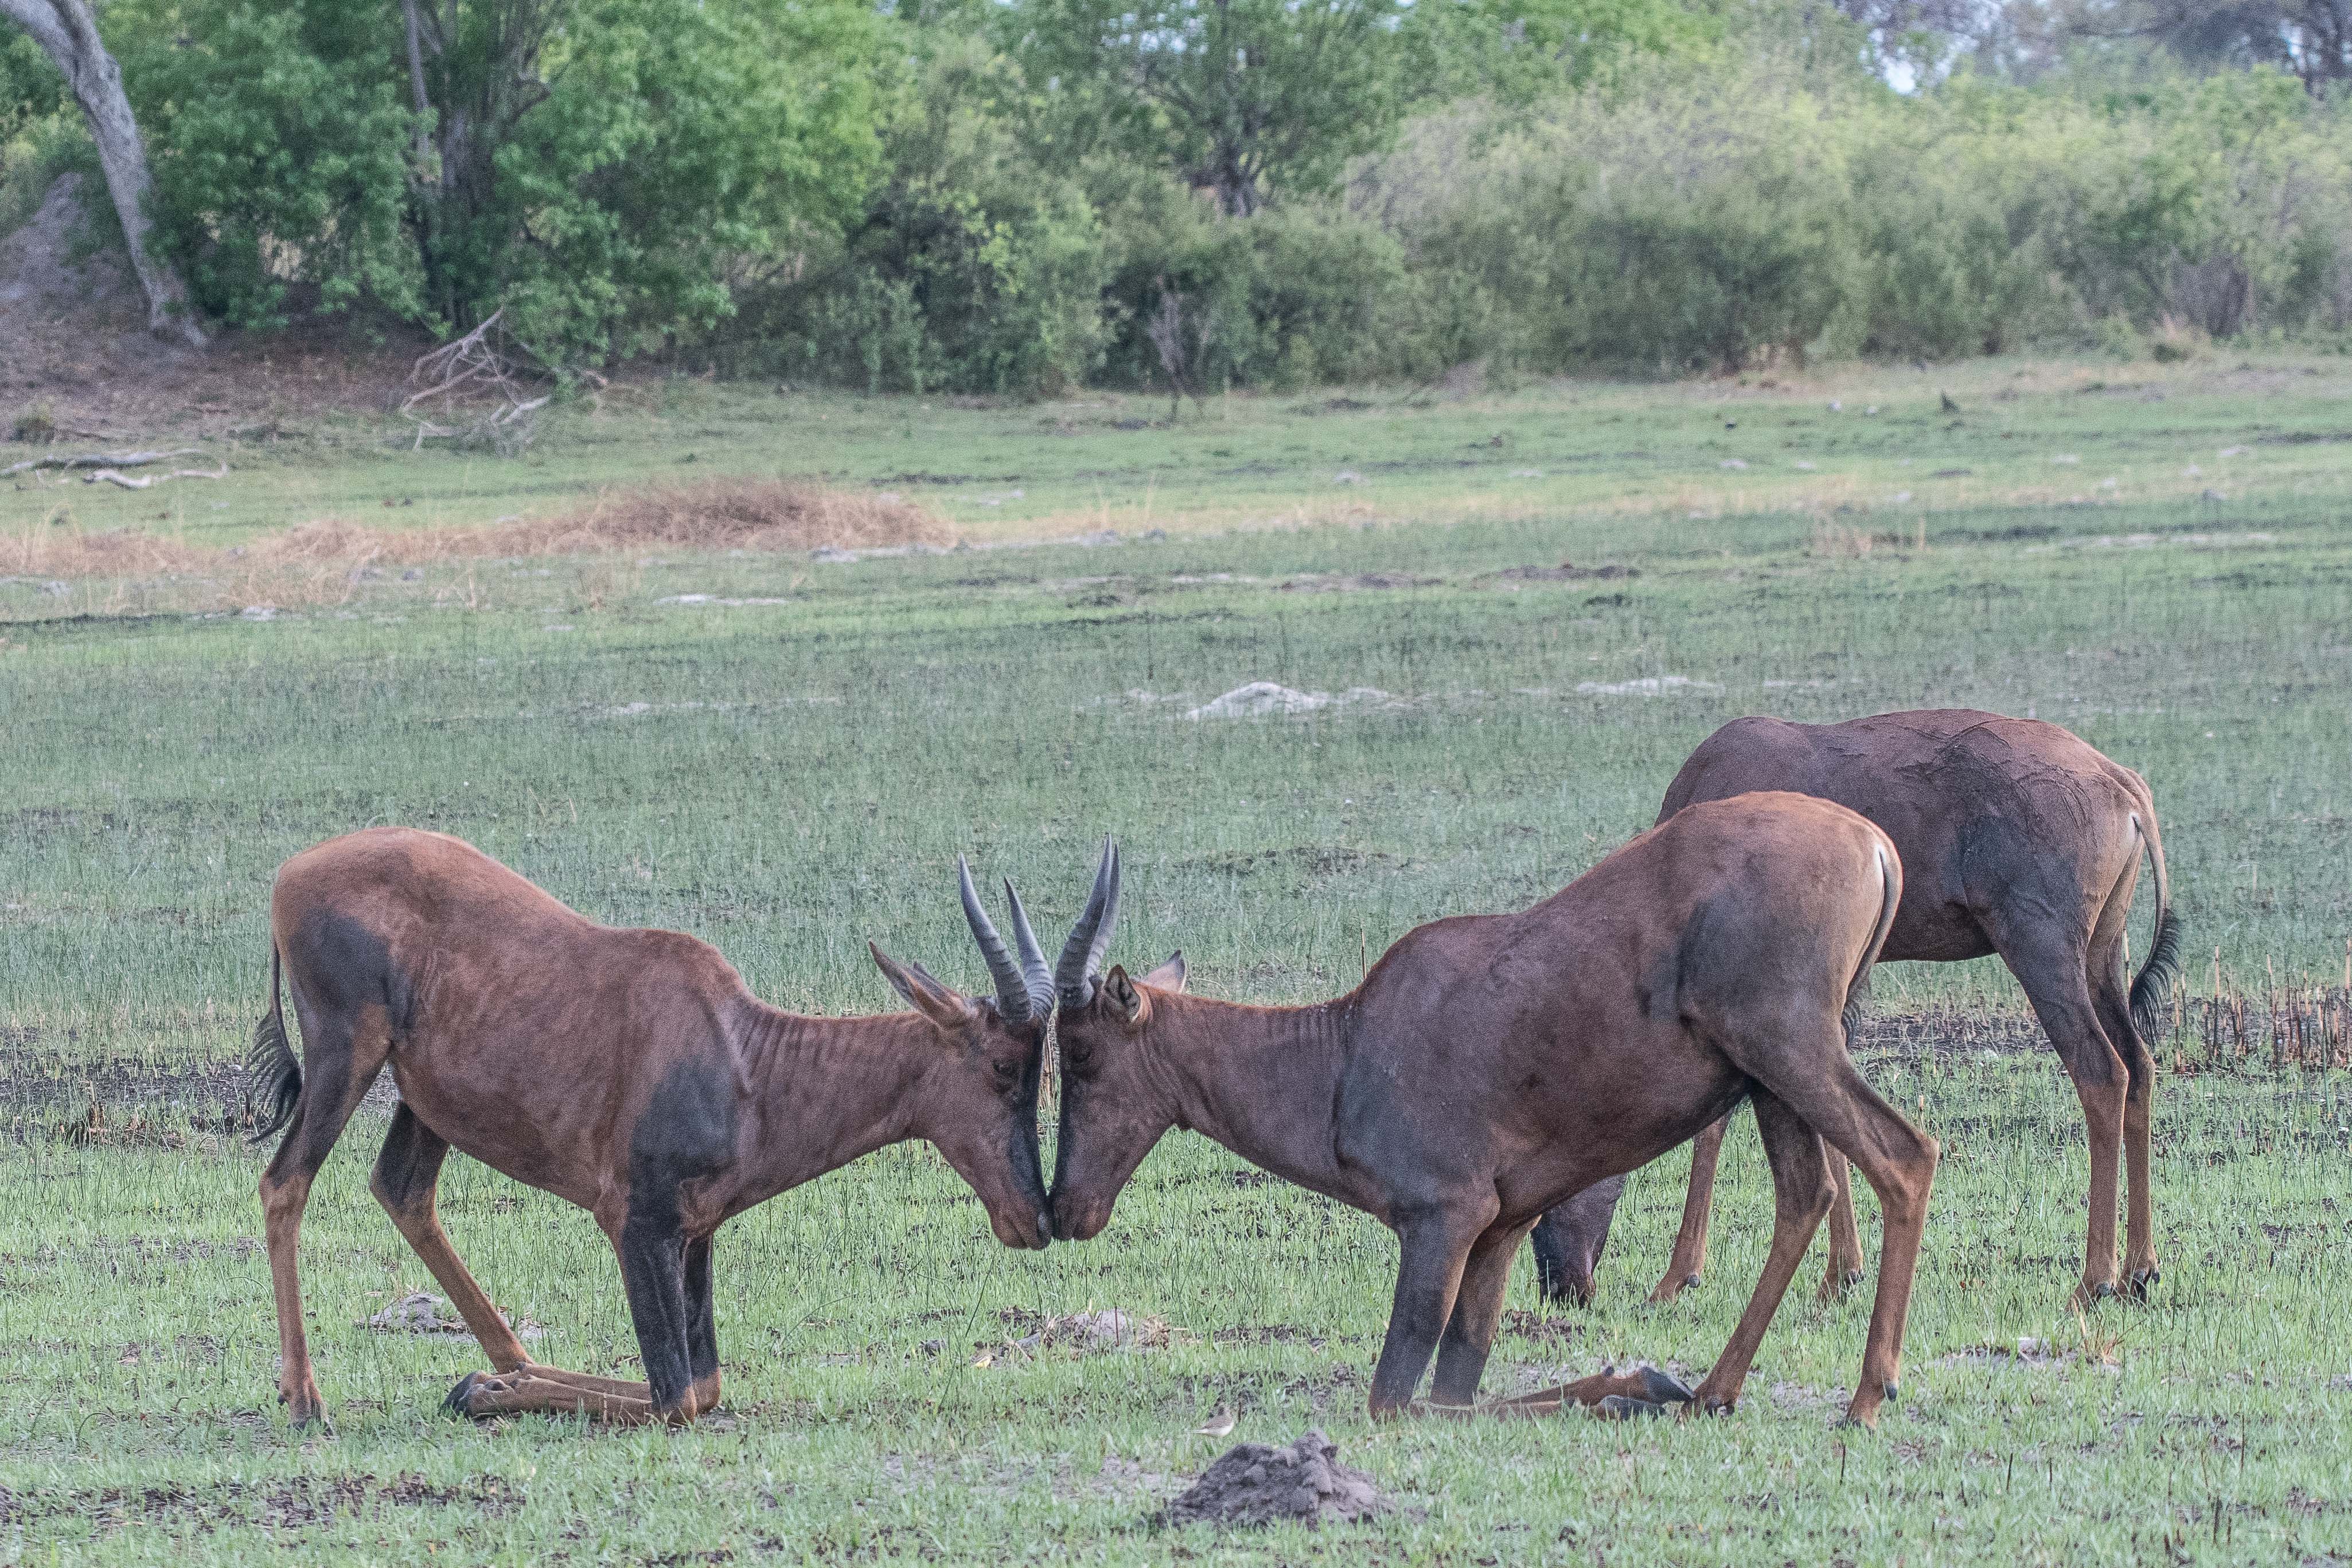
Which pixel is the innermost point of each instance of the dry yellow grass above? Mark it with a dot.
(767, 515)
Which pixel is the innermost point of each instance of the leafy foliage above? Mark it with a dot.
(1242, 97)
(593, 165)
(971, 268)
(1019, 196)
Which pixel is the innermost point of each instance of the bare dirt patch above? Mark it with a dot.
(74, 339)
(764, 515)
(1566, 571)
(1092, 1333)
(293, 1503)
(1356, 581)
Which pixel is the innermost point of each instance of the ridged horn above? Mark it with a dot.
(1036, 977)
(1074, 977)
(1012, 998)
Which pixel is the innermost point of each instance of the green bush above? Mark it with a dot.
(1295, 294)
(970, 269)
(278, 145)
(649, 145)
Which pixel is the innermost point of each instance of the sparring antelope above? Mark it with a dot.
(631, 1072)
(1490, 1065)
(2018, 838)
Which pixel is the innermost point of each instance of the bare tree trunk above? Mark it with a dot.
(67, 34)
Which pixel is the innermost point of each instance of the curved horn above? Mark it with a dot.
(1035, 977)
(1074, 977)
(1011, 991)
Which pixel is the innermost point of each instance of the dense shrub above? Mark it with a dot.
(879, 196)
(599, 188)
(971, 269)
(1294, 295)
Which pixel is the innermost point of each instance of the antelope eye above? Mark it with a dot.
(1079, 1056)
(1007, 1071)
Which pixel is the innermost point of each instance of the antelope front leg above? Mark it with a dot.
(544, 1391)
(1435, 1247)
(1469, 1336)
(1645, 1390)
(668, 1283)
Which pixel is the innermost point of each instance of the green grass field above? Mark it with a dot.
(784, 756)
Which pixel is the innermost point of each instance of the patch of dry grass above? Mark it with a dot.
(319, 558)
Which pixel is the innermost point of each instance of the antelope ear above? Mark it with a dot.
(942, 1005)
(1126, 1004)
(1169, 976)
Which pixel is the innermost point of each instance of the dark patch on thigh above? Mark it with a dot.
(345, 964)
(686, 1132)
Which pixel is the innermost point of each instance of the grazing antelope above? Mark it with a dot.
(631, 1072)
(2018, 838)
(1491, 1065)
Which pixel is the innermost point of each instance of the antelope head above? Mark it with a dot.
(978, 1104)
(1113, 1110)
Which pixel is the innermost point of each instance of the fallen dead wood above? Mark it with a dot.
(98, 461)
(112, 477)
(489, 361)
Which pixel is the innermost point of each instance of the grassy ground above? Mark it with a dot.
(2032, 433)
(790, 773)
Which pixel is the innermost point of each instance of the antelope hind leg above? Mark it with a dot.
(1844, 1271)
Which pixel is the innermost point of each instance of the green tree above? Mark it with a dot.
(972, 268)
(1242, 97)
(281, 140)
(591, 165)
(30, 88)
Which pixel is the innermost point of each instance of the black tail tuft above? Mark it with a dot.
(2155, 977)
(275, 1088)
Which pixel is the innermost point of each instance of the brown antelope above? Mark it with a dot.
(1491, 1065)
(2018, 838)
(631, 1072)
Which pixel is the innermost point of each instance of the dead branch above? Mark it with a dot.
(488, 361)
(111, 476)
(98, 461)
(489, 358)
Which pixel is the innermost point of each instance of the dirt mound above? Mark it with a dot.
(423, 1313)
(71, 315)
(1252, 1483)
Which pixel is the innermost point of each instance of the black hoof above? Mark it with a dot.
(461, 1398)
(1892, 1391)
(1664, 1387)
(1619, 1408)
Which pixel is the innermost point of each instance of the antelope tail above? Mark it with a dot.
(274, 1087)
(2150, 988)
(1890, 877)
